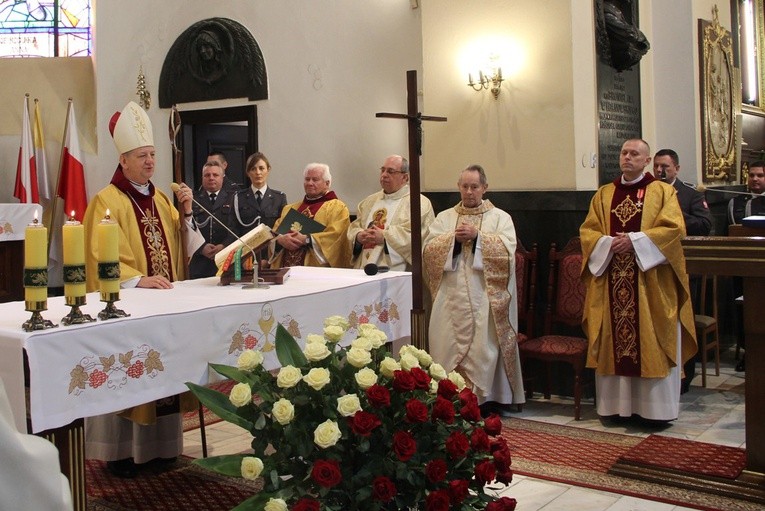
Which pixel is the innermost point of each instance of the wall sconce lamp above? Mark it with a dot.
(493, 82)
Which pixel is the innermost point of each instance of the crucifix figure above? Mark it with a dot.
(414, 122)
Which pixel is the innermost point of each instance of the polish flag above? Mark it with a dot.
(43, 184)
(26, 172)
(71, 184)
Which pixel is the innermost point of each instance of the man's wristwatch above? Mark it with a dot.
(308, 240)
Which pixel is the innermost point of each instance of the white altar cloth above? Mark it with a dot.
(171, 335)
(14, 218)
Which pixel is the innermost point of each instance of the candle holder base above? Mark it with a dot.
(37, 322)
(112, 312)
(76, 317)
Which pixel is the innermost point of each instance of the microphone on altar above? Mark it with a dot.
(373, 269)
(256, 284)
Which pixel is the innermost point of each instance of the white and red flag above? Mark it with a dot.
(43, 183)
(26, 171)
(71, 182)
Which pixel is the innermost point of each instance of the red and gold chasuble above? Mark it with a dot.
(309, 208)
(626, 215)
(153, 236)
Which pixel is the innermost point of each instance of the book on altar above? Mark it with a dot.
(754, 221)
(253, 240)
(298, 222)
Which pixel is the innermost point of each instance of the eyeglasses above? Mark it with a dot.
(391, 171)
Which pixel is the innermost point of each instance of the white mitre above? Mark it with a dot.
(131, 128)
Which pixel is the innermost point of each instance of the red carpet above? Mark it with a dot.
(184, 486)
(687, 457)
(583, 458)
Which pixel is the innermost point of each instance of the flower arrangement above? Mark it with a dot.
(340, 428)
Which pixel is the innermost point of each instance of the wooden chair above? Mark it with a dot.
(564, 308)
(526, 287)
(707, 325)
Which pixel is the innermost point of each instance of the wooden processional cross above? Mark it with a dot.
(414, 121)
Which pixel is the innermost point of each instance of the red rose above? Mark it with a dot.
(435, 470)
(471, 412)
(458, 490)
(504, 476)
(467, 397)
(503, 504)
(479, 440)
(416, 411)
(437, 501)
(383, 489)
(447, 389)
(404, 445)
(307, 504)
(362, 423)
(421, 378)
(326, 473)
(501, 454)
(443, 410)
(457, 444)
(485, 472)
(493, 424)
(403, 381)
(379, 396)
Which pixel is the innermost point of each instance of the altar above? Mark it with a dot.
(171, 335)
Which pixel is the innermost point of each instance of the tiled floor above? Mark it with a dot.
(714, 414)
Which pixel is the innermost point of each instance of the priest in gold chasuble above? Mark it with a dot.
(382, 231)
(326, 248)
(150, 256)
(469, 261)
(638, 316)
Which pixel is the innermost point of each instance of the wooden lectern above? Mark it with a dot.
(742, 254)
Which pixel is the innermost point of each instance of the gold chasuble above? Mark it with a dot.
(631, 316)
(474, 319)
(329, 247)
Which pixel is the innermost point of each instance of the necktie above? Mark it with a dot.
(258, 197)
(212, 197)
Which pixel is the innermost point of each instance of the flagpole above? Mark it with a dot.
(54, 204)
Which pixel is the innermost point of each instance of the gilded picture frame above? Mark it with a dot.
(720, 101)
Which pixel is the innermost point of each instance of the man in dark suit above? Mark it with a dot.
(217, 200)
(219, 159)
(698, 222)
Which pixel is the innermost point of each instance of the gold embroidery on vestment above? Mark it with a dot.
(624, 307)
(627, 209)
(159, 260)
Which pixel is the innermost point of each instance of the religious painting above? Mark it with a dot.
(720, 101)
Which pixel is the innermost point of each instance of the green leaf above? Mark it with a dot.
(235, 374)
(229, 465)
(219, 404)
(287, 349)
(255, 503)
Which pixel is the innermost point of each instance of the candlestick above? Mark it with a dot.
(36, 275)
(74, 259)
(109, 267)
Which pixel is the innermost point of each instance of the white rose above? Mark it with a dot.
(388, 366)
(364, 343)
(408, 361)
(424, 358)
(249, 360)
(283, 411)
(457, 379)
(358, 357)
(406, 348)
(240, 395)
(275, 505)
(334, 333)
(378, 338)
(315, 338)
(437, 372)
(348, 405)
(366, 378)
(326, 434)
(433, 386)
(340, 321)
(251, 467)
(316, 351)
(288, 377)
(317, 378)
(367, 329)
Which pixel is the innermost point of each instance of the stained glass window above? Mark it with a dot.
(45, 28)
